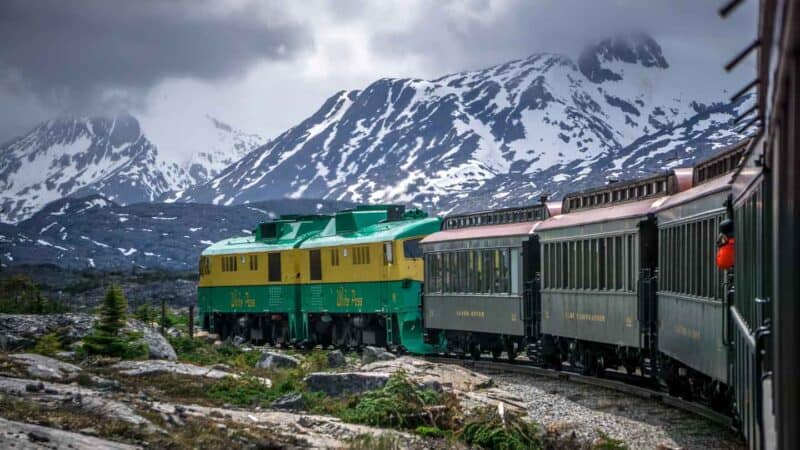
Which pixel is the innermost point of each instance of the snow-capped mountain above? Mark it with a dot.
(78, 156)
(498, 136)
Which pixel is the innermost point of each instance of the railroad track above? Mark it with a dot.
(525, 368)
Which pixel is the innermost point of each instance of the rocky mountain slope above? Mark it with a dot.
(95, 232)
(494, 137)
(112, 156)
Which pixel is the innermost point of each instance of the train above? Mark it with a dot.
(621, 277)
(618, 277)
(348, 279)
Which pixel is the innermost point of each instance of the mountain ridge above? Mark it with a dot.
(539, 124)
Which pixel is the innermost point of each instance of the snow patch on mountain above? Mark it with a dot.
(78, 156)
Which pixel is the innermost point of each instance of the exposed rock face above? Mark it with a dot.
(25, 436)
(291, 402)
(344, 383)
(273, 360)
(336, 359)
(372, 354)
(310, 431)
(20, 331)
(137, 368)
(45, 368)
(82, 398)
(158, 346)
(434, 375)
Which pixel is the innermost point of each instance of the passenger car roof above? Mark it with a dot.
(609, 213)
(486, 231)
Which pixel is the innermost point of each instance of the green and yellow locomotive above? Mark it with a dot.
(350, 279)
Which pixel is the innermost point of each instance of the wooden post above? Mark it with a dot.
(191, 321)
(163, 315)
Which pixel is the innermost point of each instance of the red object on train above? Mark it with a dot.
(725, 255)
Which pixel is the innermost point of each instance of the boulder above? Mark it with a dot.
(290, 402)
(336, 359)
(434, 375)
(345, 383)
(21, 331)
(174, 332)
(371, 354)
(157, 344)
(273, 360)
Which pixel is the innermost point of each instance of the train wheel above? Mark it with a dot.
(511, 349)
(475, 351)
(600, 366)
(496, 352)
(630, 367)
(588, 363)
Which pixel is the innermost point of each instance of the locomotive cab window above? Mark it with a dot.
(315, 259)
(274, 267)
(412, 249)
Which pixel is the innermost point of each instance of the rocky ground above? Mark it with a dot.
(590, 412)
(206, 394)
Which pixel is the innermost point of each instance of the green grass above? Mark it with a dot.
(200, 352)
(383, 441)
(608, 443)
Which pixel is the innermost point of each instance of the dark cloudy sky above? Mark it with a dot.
(264, 65)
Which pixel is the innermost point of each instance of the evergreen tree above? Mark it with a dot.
(146, 313)
(106, 338)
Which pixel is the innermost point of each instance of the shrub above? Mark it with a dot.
(432, 432)
(401, 404)
(47, 345)
(243, 391)
(487, 429)
(198, 351)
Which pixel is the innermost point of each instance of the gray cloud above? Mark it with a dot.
(489, 32)
(68, 53)
(56, 54)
